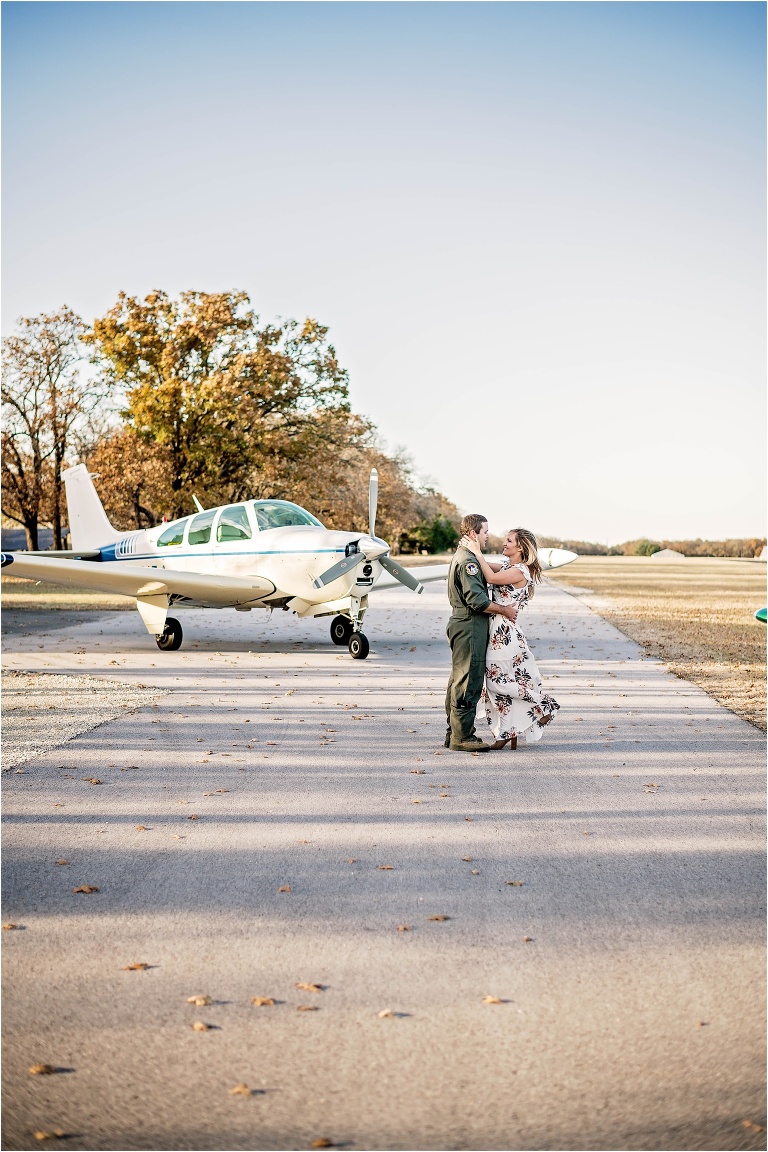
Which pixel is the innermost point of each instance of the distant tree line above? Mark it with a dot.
(166, 399)
(744, 547)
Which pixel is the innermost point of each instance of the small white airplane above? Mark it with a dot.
(254, 554)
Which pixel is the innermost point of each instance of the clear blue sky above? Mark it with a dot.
(536, 230)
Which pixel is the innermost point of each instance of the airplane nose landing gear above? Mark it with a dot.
(358, 646)
(171, 637)
(346, 629)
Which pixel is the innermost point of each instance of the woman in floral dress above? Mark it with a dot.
(516, 706)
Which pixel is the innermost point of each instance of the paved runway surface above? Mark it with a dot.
(277, 815)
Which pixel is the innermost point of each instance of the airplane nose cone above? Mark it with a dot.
(372, 547)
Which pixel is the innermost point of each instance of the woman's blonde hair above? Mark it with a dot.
(528, 545)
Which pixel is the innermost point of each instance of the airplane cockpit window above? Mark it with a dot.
(233, 524)
(200, 527)
(174, 534)
(282, 514)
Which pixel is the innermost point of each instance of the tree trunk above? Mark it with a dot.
(30, 530)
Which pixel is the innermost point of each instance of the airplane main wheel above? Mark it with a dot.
(358, 646)
(171, 637)
(341, 630)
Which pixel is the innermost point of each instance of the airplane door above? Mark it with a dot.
(199, 552)
(233, 547)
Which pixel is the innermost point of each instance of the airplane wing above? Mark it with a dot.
(424, 573)
(139, 580)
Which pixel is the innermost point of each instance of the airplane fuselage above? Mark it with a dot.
(238, 541)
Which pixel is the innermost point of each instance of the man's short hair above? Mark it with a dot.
(472, 523)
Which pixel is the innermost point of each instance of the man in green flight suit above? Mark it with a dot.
(468, 637)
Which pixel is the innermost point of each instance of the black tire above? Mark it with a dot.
(341, 630)
(358, 646)
(171, 637)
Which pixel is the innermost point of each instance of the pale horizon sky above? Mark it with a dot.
(536, 230)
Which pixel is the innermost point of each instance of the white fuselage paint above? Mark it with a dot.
(290, 557)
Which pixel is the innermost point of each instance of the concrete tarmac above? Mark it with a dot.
(285, 815)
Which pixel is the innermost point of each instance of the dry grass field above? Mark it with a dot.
(695, 614)
(40, 596)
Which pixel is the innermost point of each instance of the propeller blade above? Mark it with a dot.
(340, 569)
(373, 499)
(401, 574)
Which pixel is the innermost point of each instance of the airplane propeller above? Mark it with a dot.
(369, 548)
(401, 574)
(373, 499)
(339, 569)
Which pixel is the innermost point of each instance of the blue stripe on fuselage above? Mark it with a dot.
(108, 554)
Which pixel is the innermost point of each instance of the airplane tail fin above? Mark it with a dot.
(88, 523)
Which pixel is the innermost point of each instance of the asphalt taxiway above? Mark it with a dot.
(281, 815)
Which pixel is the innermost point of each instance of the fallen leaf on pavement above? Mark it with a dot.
(386, 1013)
(527, 939)
(240, 1090)
(141, 828)
(62, 862)
(385, 868)
(311, 987)
(200, 1000)
(307, 1008)
(41, 1070)
(321, 1142)
(262, 1001)
(469, 818)
(138, 967)
(194, 816)
(467, 859)
(404, 928)
(91, 779)
(753, 1127)
(352, 860)
(491, 1000)
(86, 888)
(199, 1026)
(56, 1134)
(438, 917)
(9, 927)
(515, 883)
(417, 772)
(285, 888)
(474, 871)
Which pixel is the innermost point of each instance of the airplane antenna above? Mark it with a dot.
(198, 505)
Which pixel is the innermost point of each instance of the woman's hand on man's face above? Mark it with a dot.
(470, 544)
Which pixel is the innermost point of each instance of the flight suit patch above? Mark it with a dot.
(472, 569)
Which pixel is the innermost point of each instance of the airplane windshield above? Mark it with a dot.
(172, 535)
(282, 514)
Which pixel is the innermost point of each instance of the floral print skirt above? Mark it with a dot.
(513, 700)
